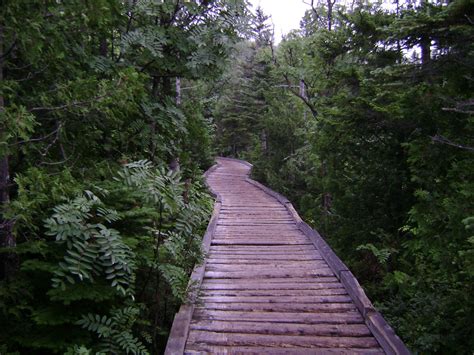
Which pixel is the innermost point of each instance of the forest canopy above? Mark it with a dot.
(110, 111)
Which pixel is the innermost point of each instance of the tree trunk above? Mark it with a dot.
(425, 42)
(264, 141)
(178, 91)
(103, 48)
(425, 50)
(154, 94)
(8, 263)
(330, 4)
(303, 89)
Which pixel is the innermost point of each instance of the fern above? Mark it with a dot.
(149, 38)
(79, 350)
(177, 278)
(114, 331)
(92, 249)
(382, 255)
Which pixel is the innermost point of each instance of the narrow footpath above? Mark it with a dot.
(270, 284)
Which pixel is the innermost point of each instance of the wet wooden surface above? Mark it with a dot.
(266, 289)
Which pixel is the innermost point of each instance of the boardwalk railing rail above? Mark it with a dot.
(381, 330)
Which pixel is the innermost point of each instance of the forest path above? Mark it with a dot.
(270, 284)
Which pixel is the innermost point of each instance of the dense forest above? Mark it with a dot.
(110, 111)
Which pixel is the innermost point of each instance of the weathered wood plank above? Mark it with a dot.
(258, 242)
(257, 273)
(280, 317)
(268, 286)
(260, 350)
(256, 249)
(269, 262)
(278, 299)
(324, 281)
(274, 293)
(281, 307)
(241, 339)
(309, 261)
(345, 330)
(270, 255)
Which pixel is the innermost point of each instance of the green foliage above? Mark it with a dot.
(103, 253)
(114, 331)
(92, 249)
(89, 124)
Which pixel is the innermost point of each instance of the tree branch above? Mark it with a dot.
(305, 100)
(460, 107)
(443, 140)
(73, 103)
(39, 139)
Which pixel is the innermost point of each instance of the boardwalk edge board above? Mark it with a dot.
(380, 329)
(383, 332)
(182, 320)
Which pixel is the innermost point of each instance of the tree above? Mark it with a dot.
(243, 107)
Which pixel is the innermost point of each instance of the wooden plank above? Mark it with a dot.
(269, 268)
(179, 330)
(275, 256)
(282, 231)
(289, 249)
(239, 339)
(264, 254)
(267, 286)
(385, 335)
(344, 330)
(280, 317)
(267, 213)
(278, 299)
(280, 307)
(260, 350)
(282, 262)
(324, 281)
(257, 220)
(274, 293)
(270, 250)
(267, 274)
(354, 289)
(258, 242)
(262, 237)
(282, 199)
(255, 223)
(261, 234)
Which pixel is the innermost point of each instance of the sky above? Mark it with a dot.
(286, 14)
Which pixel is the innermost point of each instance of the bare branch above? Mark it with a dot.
(469, 19)
(460, 107)
(302, 97)
(443, 140)
(39, 139)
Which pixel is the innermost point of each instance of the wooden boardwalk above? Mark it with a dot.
(270, 284)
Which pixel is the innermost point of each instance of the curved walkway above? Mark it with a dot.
(270, 284)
